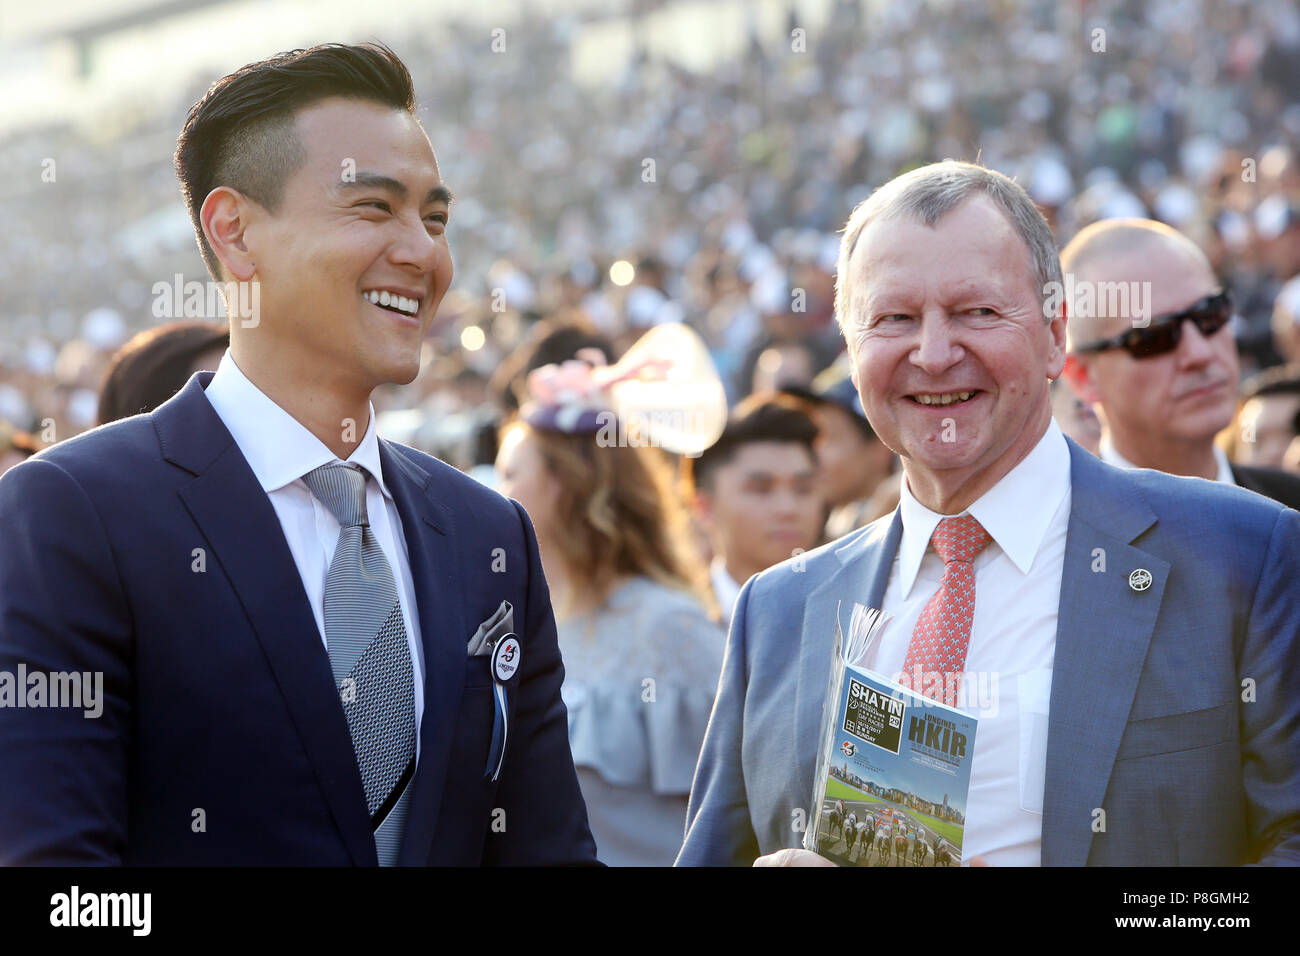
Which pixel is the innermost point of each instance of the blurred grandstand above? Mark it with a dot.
(715, 147)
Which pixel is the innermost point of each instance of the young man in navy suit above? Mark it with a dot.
(297, 626)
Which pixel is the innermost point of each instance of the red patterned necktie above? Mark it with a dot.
(942, 632)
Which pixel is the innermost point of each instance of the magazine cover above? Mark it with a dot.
(894, 769)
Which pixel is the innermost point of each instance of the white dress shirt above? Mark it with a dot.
(1107, 453)
(280, 450)
(1008, 678)
(725, 588)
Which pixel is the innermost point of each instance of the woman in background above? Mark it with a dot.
(642, 650)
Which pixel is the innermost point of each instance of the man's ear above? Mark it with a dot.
(1056, 331)
(1079, 375)
(225, 216)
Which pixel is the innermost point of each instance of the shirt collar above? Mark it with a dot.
(1225, 467)
(1106, 451)
(278, 448)
(725, 588)
(1015, 512)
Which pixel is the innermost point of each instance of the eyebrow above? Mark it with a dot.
(367, 180)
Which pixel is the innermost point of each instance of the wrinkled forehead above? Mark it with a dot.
(961, 255)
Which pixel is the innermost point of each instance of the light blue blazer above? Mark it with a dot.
(1175, 709)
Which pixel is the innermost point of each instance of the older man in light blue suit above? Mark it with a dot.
(1170, 702)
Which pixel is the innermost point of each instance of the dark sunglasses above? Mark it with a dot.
(1164, 333)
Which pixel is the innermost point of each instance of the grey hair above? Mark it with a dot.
(925, 195)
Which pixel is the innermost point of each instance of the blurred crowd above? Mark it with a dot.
(722, 191)
(586, 215)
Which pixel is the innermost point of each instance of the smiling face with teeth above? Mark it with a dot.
(950, 351)
(354, 262)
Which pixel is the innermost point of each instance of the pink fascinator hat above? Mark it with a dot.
(664, 392)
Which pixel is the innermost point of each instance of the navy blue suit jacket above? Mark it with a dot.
(222, 739)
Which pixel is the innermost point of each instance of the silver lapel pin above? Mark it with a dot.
(1140, 579)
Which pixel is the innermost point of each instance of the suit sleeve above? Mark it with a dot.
(1270, 724)
(545, 817)
(718, 827)
(62, 611)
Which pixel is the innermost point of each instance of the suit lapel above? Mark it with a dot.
(439, 595)
(245, 538)
(1104, 627)
(863, 573)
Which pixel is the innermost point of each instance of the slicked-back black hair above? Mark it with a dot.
(240, 134)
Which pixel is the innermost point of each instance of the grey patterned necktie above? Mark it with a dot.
(366, 638)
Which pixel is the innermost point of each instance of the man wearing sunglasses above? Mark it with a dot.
(1164, 382)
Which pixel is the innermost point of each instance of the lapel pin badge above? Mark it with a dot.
(505, 667)
(1140, 579)
(505, 659)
